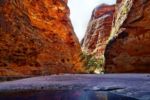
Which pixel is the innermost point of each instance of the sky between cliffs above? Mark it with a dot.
(81, 12)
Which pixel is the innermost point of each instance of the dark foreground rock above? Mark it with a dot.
(129, 85)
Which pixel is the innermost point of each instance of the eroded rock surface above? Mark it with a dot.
(129, 46)
(37, 38)
(98, 30)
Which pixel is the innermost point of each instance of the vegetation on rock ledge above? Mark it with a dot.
(92, 64)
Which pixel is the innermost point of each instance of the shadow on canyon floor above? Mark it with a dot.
(63, 95)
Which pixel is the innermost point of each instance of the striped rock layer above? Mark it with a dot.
(98, 30)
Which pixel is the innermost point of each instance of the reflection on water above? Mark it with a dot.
(62, 95)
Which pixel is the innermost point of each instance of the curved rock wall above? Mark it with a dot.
(129, 46)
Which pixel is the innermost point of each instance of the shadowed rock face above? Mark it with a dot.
(37, 38)
(119, 1)
(98, 30)
(129, 49)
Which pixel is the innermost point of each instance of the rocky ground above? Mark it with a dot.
(130, 85)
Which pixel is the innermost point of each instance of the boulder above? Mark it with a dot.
(129, 47)
(37, 38)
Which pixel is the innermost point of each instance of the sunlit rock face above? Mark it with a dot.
(129, 46)
(98, 30)
(37, 38)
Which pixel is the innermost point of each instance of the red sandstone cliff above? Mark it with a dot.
(37, 38)
(97, 34)
(98, 30)
(129, 46)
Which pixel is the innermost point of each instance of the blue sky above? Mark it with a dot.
(81, 12)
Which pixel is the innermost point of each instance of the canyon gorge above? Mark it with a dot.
(41, 57)
(121, 37)
(37, 38)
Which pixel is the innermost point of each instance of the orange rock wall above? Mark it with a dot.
(129, 47)
(37, 38)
